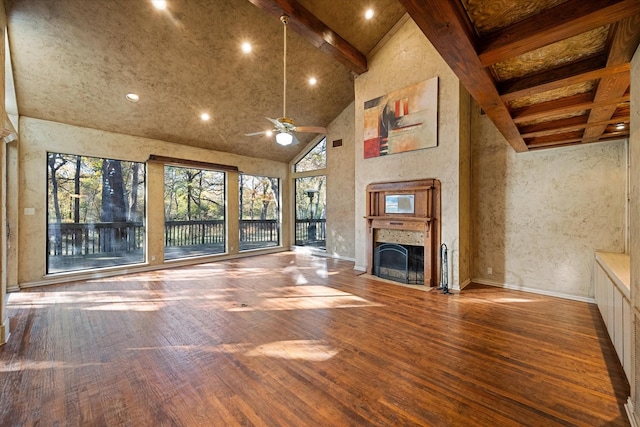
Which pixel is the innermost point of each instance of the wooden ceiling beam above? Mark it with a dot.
(571, 138)
(623, 45)
(316, 32)
(583, 101)
(552, 144)
(552, 25)
(551, 140)
(554, 127)
(591, 68)
(567, 125)
(447, 26)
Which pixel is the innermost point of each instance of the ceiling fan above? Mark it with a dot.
(284, 127)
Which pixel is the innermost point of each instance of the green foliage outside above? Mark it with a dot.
(259, 197)
(193, 194)
(83, 189)
(315, 159)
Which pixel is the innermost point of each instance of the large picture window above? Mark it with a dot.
(194, 212)
(95, 212)
(259, 212)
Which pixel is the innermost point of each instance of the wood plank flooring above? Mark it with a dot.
(294, 340)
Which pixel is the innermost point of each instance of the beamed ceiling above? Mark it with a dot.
(548, 73)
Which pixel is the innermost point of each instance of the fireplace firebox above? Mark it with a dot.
(403, 231)
(402, 263)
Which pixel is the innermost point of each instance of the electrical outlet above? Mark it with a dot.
(153, 257)
(489, 270)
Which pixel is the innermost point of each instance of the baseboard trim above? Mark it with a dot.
(462, 285)
(534, 290)
(628, 407)
(359, 268)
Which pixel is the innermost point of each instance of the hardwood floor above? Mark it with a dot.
(293, 340)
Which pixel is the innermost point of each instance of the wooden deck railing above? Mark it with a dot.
(310, 231)
(73, 239)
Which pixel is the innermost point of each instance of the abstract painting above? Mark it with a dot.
(403, 120)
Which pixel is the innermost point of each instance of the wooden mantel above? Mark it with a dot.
(421, 214)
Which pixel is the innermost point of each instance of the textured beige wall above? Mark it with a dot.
(540, 216)
(341, 185)
(408, 58)
(634, 223)
(38, 137)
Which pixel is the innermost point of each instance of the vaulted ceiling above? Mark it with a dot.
(74, 61)
(548, 72)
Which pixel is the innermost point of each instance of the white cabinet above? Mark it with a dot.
(611, 288)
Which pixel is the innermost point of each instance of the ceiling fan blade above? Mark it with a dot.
(275, 122)
(264, 132)
(311, 129)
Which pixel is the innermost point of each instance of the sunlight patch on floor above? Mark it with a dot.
(24, 365)
(128, 306)
(311, 350)
(306, 297)
(307, 303)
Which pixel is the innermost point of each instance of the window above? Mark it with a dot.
(311, 211)
(311, 197)
(259, 212)
(315, 159)
(194, 212)
(95, 212)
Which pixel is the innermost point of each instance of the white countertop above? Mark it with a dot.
(618, 267)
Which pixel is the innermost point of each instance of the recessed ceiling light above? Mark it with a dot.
(313, 81)
(132, 97)
(159, 4)
(246, 47)
(620, 126)
(368, 14)
(205, 117)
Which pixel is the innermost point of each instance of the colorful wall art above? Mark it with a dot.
(403, 120)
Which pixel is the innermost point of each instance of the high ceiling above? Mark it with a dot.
(74, 61)
(548, 73)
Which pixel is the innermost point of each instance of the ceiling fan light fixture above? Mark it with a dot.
(284, 138)
(159, 4)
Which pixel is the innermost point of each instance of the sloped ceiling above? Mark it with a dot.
(74, 61)
(549, 73)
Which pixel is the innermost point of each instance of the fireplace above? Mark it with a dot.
(403, 231)
(402, 263)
